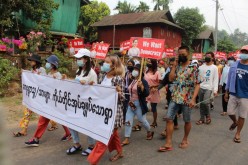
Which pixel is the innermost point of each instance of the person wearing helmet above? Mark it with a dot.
(84, 75)
(237, 87)
(52, 64)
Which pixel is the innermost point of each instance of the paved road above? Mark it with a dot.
(209, 144)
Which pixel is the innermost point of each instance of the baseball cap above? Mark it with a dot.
(82, 52)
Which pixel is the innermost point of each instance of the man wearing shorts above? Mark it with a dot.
(186, 77)
(237, 87)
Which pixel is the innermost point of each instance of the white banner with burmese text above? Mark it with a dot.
(89, 109)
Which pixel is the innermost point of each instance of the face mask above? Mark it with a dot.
(230, 62)
(182, 59)
(105, 67)
(77, 79)
(80, 63)
(207, 59)
(149, 65)
(48, 66)
(135, 73)
(130, 68)
(243, 56)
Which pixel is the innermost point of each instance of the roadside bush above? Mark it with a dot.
(65, 63)
(7, 73)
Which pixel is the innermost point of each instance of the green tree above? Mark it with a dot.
(226, 45)
(40, 12)
(90, 14)
(191, 21)
(239, 38)
(162, 3)
(124, 7)
(143, 7)
(222, 34)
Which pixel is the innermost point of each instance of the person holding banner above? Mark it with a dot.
(139, 90)
(153, 77)
(35, 62)
(112, 66)
(187, 84)
(85, 75)
(52, 63)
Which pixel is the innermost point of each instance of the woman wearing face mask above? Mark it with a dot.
(52, 63)
(153, 78)
(138, 90)
(223, 81)
(128, 79)
(35, 62)
(113, 68)
(85, 75)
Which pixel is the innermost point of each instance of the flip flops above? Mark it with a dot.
(233, 126)
(116, 157)
(18, 134)
(124, 144)
(165, 149)
(52, 128)
(237, 140)
(183, 145)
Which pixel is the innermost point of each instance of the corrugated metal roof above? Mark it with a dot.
(163, 16)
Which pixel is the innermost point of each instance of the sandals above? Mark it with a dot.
(223, 113)
(136, 128)
(18, 134)
(154, 125)
(200, 122)
(208, 120)
(183, 145)
(164, 149)
(73, 150)
(52, 128)
(116, 157)
(87, 151)
(149, 135)
(163, 134)
(233, 126)
(237, 140)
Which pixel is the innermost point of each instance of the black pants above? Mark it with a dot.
(224, 103)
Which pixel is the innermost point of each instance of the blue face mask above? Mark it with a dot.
(230, 62)
(80, 63)
(48, 66)
(77, 79)
(135, 73)
(105, 67)
(243, 56)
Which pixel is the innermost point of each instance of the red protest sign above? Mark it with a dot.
(169, 52)
(220, 55)
(101, 50)
(149, 47)
(197, 56)
(125, 45)
(76, 44)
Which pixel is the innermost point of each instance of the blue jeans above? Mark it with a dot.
(129, 118)
(174, 108)
(76, 139)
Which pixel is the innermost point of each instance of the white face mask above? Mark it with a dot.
(135, 73)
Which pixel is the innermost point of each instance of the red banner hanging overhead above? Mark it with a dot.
(197, 56)
(101, 50)
(76, 44)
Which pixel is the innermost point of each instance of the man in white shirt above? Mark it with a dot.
(209, 75)
(223, 81)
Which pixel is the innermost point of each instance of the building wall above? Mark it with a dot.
(171, 35)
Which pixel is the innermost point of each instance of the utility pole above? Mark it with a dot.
(216, 26)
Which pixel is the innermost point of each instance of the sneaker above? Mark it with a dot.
(32, 143)
(66, 138)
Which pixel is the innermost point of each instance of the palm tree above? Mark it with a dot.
(143, 7)
(162, 3)
(124, 7)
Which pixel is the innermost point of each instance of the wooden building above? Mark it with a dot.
(155, 24)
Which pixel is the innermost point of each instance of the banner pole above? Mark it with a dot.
(141, 68)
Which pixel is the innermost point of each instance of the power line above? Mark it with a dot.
(235, 13)
(226, 21)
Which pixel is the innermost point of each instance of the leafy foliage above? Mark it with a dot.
(40, 12)
(8, 73)
(226, 45)
(143, 7)
(124, 7)
(65, 63)
(164, 4)
(90, 14)
(191, 21)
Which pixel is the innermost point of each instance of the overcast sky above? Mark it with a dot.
(235, 11)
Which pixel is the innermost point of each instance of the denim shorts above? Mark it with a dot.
(174, 108)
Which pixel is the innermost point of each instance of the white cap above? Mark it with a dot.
(82, 52)
(194, 61)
